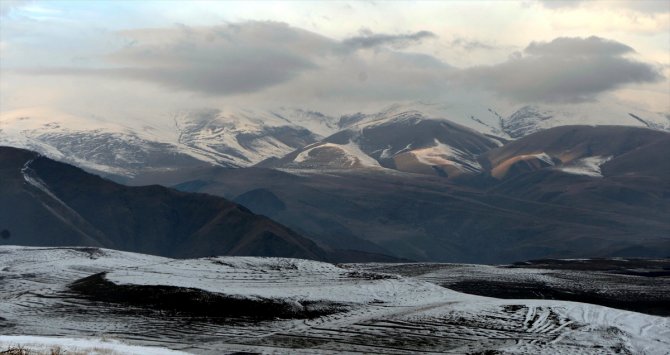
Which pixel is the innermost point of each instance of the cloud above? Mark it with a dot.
(368, 40)
(219, 60)
(263, 63)
(471, 45)
(642, 6)
(248, 57)
(560, 4)
(575, 46)
(7, 6)
(563, 70)
(234, 58)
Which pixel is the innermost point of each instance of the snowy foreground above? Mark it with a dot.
(69, 296)
(46, 345)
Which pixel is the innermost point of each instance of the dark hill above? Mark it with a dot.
(47, 203)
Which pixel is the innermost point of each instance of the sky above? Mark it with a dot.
(147, 58)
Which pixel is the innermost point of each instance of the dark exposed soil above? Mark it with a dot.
(196, 302)
(535, 290)
(634, 284)
(625, 266)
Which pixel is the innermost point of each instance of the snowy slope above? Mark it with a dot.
(443, 155)
(589, 166)
(234, 137)
(244, 137)
(240, 137)
(395, 138)
(383, 313)
(515, 121)
(533, 118)
(49, 345)
(324, 155)
(93, 143)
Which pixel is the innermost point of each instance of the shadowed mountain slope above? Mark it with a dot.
(45, 202)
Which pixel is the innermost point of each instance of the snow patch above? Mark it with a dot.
(443, 154)
(351, 150)
(586, 166)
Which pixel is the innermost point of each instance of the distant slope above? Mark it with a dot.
(46, 203)
(585, 150)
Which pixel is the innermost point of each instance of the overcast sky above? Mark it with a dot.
(114, 57)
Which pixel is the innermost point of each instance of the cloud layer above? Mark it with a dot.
(261, 61)
(250, 57)
(7, 6)
(563, 70)
(368, 39)
(220, 60)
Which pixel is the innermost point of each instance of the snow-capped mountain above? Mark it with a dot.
(409, 137)
(512, 122)
(402, 140)
(533, 118)
(95, 144)
(233, 138)
(245, 137)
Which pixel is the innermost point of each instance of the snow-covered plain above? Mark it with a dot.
(384, 313)
(48, 345)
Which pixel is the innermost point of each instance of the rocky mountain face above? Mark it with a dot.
(45, 202)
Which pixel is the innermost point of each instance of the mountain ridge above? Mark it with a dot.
(241, 137)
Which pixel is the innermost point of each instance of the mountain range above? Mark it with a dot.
(569, 191)
(404, 182)
(124, 147)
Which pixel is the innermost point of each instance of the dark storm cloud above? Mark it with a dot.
(367, 40)
(563, 70)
